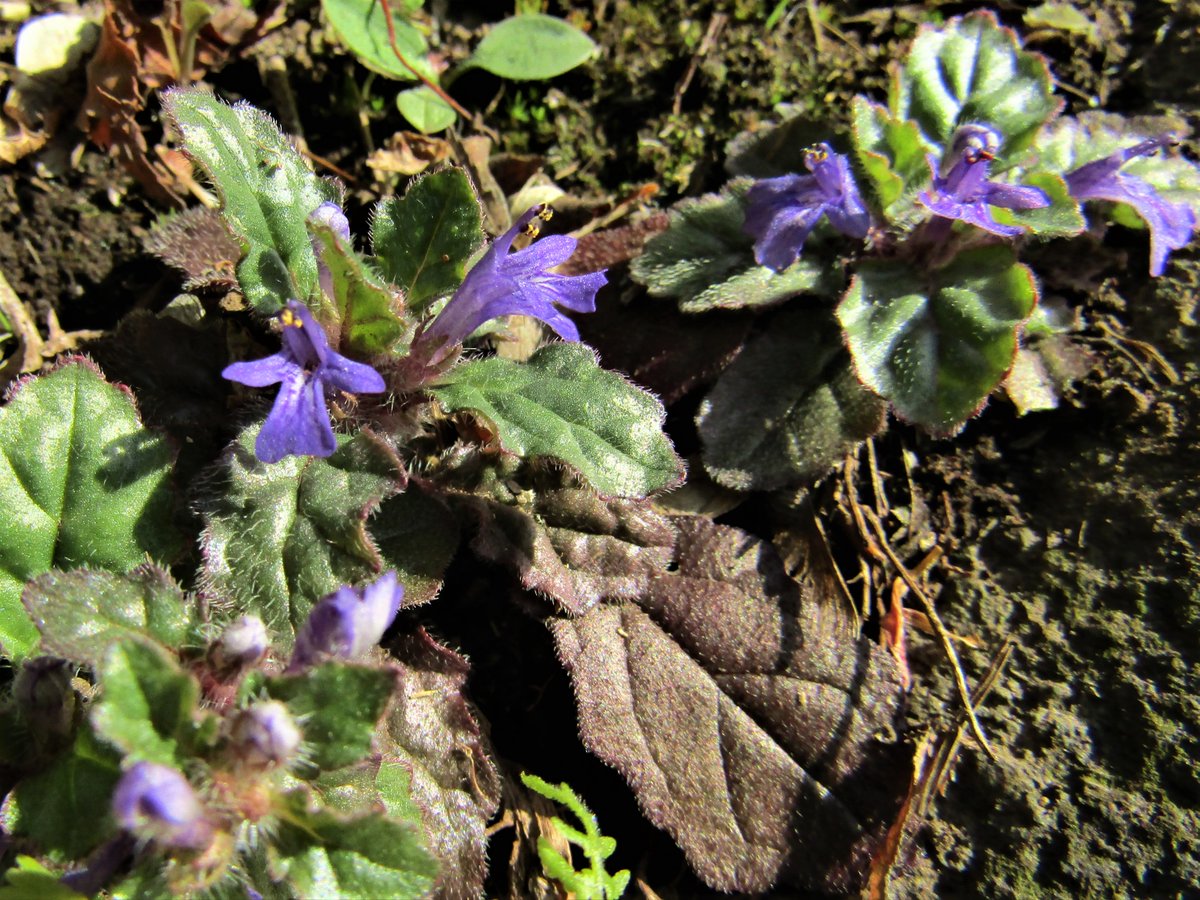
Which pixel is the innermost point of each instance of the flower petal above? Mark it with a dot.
(1015, 196)
(348, 622)
(331, 215)
(780, 244)
(976, 213)
(781, 212)
(352, 377)
(298, 423)
(574, 292)
(544, 253)
(503, 284)
(263, 372)
(1171, 224)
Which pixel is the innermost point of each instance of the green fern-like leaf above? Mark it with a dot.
(594, 882)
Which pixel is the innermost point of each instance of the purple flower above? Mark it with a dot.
(154, 801)
(348, 622)
(265, 735)
(1171, 224)
(505, 284)
(964, 191)
(781, 212)
(307, 368)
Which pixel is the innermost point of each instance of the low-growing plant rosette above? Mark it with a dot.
(911, 238)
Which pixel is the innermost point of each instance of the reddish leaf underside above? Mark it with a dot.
(434, 734)
(747, 727)
(574, 546)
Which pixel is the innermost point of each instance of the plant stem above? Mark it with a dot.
(421, 76)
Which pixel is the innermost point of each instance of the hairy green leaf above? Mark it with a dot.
(666, 351)
(532, 47)
(64, 808)
(571, 545)
(81, 484)
(149, 702)
(280, 537)
(83, 612)
(433, 736)
(365, 857)
(937, 344)
(422, 241)
(892, 154)
(705, 261)
(788, 408)
(772, 149)
(365, 307)
(266, 188)
(417, 536)
(561, 404)
(972, 70)
(339, 705)
(1061, 218)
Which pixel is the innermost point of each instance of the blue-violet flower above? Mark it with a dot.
(307, 369)
(348, 622)
(962, 189)
(155, 801)
(1171, 224)
(782, 212)
(504, 284)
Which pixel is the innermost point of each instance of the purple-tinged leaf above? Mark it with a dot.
(747, 727)
(661, 349)
(433, 733)
(573, 546)
(199, 244)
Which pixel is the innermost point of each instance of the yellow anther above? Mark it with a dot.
(289, 319)
(532, 229)
(545, 213)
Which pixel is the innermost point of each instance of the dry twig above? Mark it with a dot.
(943, 636)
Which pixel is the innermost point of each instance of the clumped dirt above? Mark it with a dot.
(1076, 530)
(72, 245)
(1079, 543)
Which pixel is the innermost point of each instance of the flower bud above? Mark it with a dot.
(156, 802)
(331, 215)
(347, 623)
(265, 735)
(242, 644)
